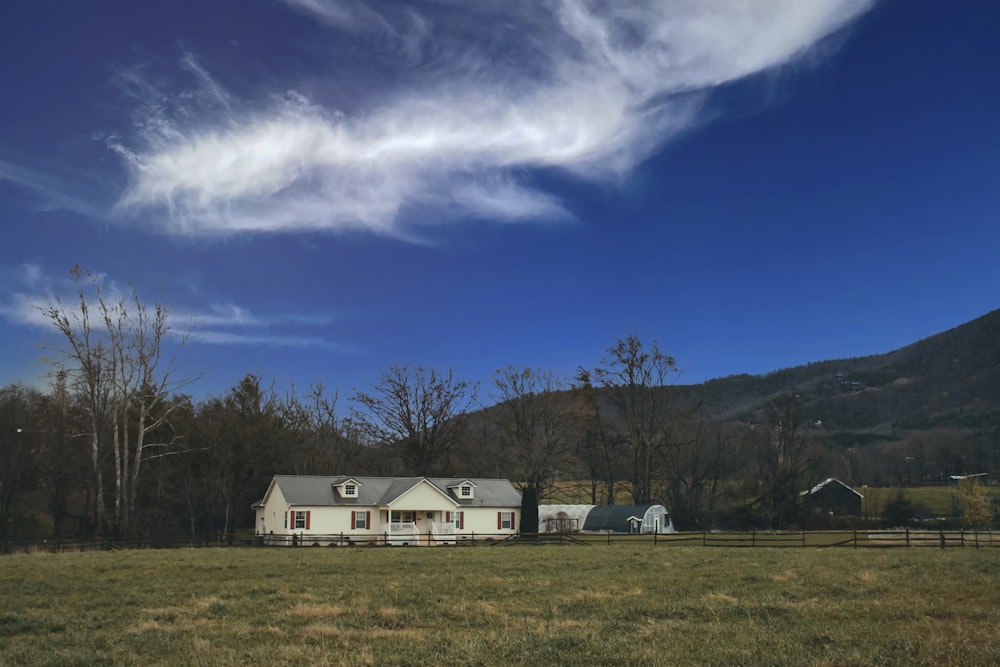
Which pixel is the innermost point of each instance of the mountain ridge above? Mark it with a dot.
(949, 379)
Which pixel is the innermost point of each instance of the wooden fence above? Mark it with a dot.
(867, 539)
(902, 537)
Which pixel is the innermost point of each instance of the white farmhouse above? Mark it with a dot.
(308, 510)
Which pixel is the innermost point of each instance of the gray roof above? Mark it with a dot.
(379, 491)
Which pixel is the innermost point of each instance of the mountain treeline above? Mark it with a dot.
(116, 447)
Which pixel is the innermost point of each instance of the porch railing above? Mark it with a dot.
(402, 528)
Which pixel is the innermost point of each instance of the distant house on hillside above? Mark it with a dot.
(637, 519)
(299, 509)
(833, 497)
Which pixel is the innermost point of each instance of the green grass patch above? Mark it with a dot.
(624, 604)
(934, 500)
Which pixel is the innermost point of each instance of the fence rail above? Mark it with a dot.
(865, 539)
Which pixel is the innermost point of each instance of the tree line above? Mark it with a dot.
(116, 447)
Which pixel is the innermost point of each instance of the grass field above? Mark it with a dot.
(628, 604)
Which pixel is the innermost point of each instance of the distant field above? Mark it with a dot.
(624, 604)
(937, 500)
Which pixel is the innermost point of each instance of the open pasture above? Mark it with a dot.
(624, 604)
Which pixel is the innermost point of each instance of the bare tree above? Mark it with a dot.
(695, 467)
(417, 410)
(324, 442)
(115, 356)
(635, 386)
(534, 429)
(785, 461)
(598, 449)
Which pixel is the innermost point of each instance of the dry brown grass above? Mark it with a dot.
(597, 605)
(318, 611)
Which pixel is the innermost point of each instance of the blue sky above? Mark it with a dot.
(320, 189)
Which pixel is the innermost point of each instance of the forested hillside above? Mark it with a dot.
(950, 379)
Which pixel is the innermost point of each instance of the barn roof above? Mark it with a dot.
(827, 482)
(373, 491)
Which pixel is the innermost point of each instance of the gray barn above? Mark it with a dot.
(833, 497)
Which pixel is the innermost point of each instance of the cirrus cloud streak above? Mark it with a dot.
(30, 292)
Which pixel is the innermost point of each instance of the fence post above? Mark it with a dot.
(609, 538)
(962, 538)
(907, 537)
(753, 539)
(942, 539)
(803, 538)
(704, 538)
(855, 538)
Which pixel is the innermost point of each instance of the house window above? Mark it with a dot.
(350, 490)
(301, 520)
(466, 491)
(361, 520)
(505, 520)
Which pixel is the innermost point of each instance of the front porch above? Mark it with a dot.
(425, 528)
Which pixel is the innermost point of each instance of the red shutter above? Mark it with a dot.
(291, 519)
(368, 520)
(447, 517)
(499, 520)
(353, 515)
(307, 519)
(461, 520)
(513, 520)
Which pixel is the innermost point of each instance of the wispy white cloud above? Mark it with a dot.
(229, 324)
(29, 291)
(502, 87)
(207, 86)
(53, 194)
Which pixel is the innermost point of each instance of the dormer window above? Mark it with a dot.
(347, 488)
(462, 489)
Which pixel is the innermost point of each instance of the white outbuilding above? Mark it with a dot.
(634, 519)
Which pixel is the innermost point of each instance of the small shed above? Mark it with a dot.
(636, 519)
(832, 496)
